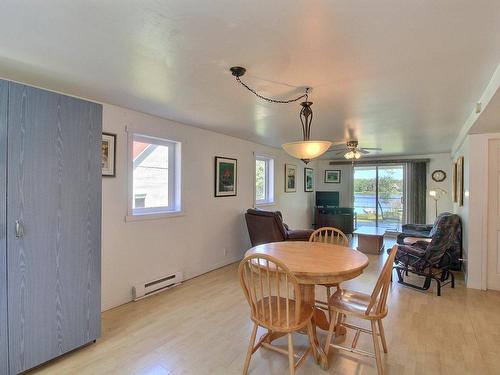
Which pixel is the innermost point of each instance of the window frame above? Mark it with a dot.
(174, 177)
(269, 180)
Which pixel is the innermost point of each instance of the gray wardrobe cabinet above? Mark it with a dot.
(50, 225)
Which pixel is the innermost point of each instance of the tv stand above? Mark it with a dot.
(339, 217)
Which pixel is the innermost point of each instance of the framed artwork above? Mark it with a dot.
(308, 180)
(290, 178)
(108, 155)
(454, 194)
(460, 181)
(226, 173)
(332, 176)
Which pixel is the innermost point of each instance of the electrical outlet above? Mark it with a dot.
(225, 251)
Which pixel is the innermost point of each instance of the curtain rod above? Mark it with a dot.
(379, 161)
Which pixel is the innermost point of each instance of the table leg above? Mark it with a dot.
(319, 320)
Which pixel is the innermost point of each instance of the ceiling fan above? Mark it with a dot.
(351, 150)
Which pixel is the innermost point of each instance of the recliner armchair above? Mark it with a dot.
(268, 226)
(427, 231)
(432, 259)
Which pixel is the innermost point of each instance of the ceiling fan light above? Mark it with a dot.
(352, 154)
(306, 150)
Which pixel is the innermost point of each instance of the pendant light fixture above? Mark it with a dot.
(305, 149)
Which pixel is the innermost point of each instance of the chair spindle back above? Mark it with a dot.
(329, 235)
(271, 290)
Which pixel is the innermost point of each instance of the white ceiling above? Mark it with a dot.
(403, 74)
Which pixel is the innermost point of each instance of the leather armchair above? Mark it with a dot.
(432, 259)
(268, 226)
(426, 231)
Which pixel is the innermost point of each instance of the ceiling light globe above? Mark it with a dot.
(306, 149)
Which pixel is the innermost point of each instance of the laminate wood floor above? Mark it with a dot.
(203, 327)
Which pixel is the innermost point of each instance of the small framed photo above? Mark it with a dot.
(332, 176)
(226, 177)
(108, 155)
(308, 180)
(290, 178)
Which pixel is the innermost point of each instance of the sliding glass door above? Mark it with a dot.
(365, 196)
(379, 195)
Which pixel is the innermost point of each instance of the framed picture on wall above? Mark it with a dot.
(290, 178)
(108, 155)
(226, 177)
(308, 180)
(332, 176)
(460, 180)
(454, 183)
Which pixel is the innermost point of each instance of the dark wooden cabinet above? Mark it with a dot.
(338, 217)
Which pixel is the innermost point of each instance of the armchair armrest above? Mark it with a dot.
(417, 227)
(414, 240)
(410, 250)
(299, 234)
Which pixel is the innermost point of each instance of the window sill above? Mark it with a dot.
(265, 204)
(154, 216)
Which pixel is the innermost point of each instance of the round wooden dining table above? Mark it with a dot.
(315, 263)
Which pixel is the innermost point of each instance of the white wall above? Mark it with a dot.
(344, 187)
(443, 162)
(474, 211)
(135, 252)
(463, 212)
(437, 161)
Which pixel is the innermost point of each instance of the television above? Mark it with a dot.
(326, 199)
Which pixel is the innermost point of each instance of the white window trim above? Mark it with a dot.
(270, 181)
(174, 174)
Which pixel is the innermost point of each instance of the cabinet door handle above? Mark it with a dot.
(19, 229)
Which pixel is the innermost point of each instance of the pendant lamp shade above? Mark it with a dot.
(306, 150)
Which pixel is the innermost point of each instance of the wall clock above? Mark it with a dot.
(439, 175)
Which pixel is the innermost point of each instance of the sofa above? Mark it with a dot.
(268, 226)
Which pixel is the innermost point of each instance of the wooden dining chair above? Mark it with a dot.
(333, 236)
(274, 296)
(329, 235)
(371, 307)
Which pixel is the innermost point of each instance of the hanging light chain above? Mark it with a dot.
(271, 100)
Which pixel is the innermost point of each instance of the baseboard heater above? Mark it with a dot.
(156, 286)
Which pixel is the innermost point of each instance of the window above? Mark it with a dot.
(264, 180)
(155, 170)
